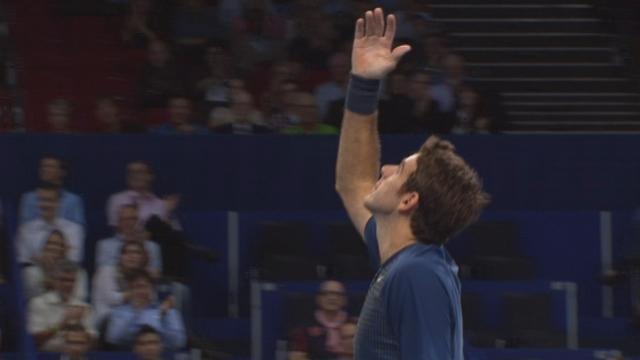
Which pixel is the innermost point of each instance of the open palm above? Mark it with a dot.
(372, 56)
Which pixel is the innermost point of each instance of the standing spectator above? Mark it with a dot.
(38, 277)
(335, 88)
(109, 282)
(144, 23)
(320, 339)
(127, 320)
(33, 234)
(180, 118)
(148, 344)
(304, 108)
(59, 115)
(50, 312)
(241, 119)
(160, 77)
(77, 342)
(139, 180)
(426, 114)
(128, 231)
(52, 170)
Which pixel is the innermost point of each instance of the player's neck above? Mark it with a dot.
(394, 234)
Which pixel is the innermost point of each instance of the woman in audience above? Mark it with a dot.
(37, 277)
(109, 284)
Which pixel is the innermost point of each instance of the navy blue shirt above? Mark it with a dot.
(412, 310)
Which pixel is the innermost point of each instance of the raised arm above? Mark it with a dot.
(358, 163)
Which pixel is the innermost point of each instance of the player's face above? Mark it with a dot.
(386, 196)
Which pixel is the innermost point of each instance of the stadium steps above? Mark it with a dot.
(554, 63)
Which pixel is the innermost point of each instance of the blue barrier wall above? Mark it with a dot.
(559, 172)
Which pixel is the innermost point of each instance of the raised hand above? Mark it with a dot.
(372, 56)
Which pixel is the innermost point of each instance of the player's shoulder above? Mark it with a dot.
(422, 262)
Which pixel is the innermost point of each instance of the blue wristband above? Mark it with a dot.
(362, 95)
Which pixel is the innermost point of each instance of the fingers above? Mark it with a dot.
(359, 29)
(369, 24)
(378, 19)
(390, 32)
(399, 52)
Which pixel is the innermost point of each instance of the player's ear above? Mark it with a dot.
(408, 202)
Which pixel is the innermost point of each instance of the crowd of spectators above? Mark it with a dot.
(278, 66)
(132, 304)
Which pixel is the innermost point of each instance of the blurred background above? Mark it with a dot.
(168, 168)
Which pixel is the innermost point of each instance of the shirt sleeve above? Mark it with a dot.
(371, 239)
(173, 329)
(76, 209)
(28, 207)
(420, 313)
(122, 326)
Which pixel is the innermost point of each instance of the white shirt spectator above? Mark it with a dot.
(108, 291)
(148, 205)
(47, 311)
(327, 93)
(33, 234)
(34, 278)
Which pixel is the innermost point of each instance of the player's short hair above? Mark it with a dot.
(450, 193)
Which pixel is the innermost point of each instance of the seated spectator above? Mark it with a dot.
(110, 120)
(316, 37)
(275, 106)
(127, 320)
(258, 35)
(52, 170)
(160, 77)
(144, 23)
(453, 78)
(50, 312)
(33, 234)
(303, 105)
(347, 334)
(408, 15)
(212, 84)
(77, 342)
(195, 23)
(426, 113)
(180, 118)
(148, 344)
(320, 338)
(127, 231)
(241, 118)
(471, 114)
(59, 116)
(139, 180)
(433, 51)
(268, 83)
(109, 288)
(395, 106)
(37, 277)
(335, 88)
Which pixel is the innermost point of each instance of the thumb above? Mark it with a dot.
(399, 52)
